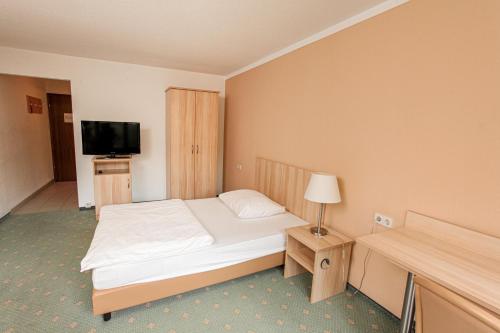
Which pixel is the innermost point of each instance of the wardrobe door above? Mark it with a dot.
(206, 137)
(181, 112)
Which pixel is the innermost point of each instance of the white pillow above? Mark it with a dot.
(250, 204)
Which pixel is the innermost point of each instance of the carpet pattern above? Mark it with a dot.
(42, 290)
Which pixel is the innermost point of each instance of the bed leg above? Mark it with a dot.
(106, 316)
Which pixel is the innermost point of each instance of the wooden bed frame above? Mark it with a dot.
(281, 182)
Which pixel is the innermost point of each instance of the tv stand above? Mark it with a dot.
(112, 181)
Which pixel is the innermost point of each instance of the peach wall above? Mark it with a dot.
(404, 108)
(25, 148)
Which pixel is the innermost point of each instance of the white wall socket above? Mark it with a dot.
(383, 220)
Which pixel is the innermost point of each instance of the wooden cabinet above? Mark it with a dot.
(327, 258)
(440, 310)
(192, 143)
(112, 182)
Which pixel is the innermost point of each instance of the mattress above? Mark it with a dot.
(236, 241)
(136, 232)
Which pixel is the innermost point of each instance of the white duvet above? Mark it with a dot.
(143, 231)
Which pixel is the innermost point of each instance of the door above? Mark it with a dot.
(112, 190)
(103, 192)
(181, 105)
(122, 193)
(440, 310)
(61, 133)
(206, 138)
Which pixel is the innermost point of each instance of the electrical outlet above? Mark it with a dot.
(383, 220)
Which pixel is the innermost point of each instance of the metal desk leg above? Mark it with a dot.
(408, 306)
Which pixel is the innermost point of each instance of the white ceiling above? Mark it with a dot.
(210, 36)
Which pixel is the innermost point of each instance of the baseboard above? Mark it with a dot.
(3, 218)
(354, 289)
(32, 195)
(86, 208)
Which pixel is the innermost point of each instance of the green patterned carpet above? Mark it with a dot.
(42, 290)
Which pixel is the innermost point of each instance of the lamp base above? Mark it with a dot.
(319, 231)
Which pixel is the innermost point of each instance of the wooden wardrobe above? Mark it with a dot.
(192, 143)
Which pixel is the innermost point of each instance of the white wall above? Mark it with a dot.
(25, 149)
(104, 90)
(57, 87)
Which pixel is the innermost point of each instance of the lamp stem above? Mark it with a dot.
(319, 231)
(320, 214)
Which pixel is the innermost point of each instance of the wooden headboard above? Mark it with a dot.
(286, 185)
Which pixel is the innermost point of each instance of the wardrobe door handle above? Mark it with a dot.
(192, 149)
(197, 149)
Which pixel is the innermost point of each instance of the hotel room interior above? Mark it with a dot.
(251, 166)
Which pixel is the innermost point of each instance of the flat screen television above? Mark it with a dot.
(110, 138)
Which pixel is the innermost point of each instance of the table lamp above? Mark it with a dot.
(324, 189)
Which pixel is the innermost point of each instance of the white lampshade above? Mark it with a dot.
(322, 188)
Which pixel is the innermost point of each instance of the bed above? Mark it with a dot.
(240, 247)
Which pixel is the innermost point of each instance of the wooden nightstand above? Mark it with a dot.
(327, 258)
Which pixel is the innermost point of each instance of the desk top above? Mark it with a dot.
(331, 240)
(459, 259)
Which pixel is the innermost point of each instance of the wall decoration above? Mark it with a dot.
(34, 104)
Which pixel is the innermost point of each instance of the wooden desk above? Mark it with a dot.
(461, 260)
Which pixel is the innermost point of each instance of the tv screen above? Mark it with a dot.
(110, 138)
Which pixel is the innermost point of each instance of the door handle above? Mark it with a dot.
(192, 149)
(197, 149)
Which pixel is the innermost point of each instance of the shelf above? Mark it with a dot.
(304, 256)
(111, 160)
(111, 172)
